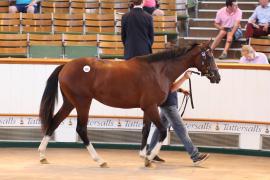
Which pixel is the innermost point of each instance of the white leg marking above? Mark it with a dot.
(42, 147)
(155, 151)
(142, 153)
(94, 154)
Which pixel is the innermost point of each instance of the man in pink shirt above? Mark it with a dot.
(228, 23)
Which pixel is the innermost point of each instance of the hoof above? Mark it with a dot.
(143, 157)
(147, 163)
(44, 161)
(104, 165)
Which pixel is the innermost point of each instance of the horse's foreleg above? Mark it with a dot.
(82, 131)
(163, 134)
(145, 134)
(153, 114)
(57, 119)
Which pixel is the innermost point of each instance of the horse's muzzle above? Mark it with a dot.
(213, 76)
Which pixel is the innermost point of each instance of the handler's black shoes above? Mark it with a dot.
(158, 159)
(200, 158)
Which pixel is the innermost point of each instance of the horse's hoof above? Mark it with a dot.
(147, 163)
(44, 161)
(104, 165)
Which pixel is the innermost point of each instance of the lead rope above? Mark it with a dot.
(186, 98)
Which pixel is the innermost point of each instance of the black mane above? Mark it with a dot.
(168, 54)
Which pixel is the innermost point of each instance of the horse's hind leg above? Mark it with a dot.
(83, 110)
(57, 119)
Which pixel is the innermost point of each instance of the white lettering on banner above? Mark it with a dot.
(137, 124)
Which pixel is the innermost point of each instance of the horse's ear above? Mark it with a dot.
(211, 41)
(208, 43)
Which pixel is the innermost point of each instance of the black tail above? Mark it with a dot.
(48, 99)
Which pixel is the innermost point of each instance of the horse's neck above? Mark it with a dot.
(177, 67)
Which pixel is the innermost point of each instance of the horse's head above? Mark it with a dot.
(205, 63)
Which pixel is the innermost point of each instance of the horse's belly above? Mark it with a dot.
(119, 102)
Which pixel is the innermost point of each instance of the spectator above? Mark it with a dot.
(24, 6)
(259, 22)
(228, 23)
(137, 31)
(150, 6)
(250, 56)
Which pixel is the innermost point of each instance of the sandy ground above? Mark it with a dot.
(23, 163)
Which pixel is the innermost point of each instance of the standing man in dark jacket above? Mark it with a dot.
(137, 31)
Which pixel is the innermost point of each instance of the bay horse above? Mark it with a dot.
(142, 82)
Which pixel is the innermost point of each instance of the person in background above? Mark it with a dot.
(228, 23)
(170, 117)
(250, 56)
(24, 6)
(150, 6)
(259, 22)
(137, 31)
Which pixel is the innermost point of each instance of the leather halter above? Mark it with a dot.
(206, 62)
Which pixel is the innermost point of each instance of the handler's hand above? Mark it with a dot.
(185, 92)
(187, 74)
